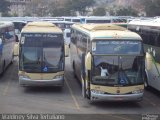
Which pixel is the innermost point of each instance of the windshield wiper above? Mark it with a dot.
(122, 76)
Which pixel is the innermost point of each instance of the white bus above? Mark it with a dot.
(67, 36)
(41, 55)
(109, 61)
(7, 41)
(149, 30)
(94, 19)
(62, 24)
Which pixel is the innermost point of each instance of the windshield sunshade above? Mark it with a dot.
(116, 47)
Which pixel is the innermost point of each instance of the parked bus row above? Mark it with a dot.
(106, 58)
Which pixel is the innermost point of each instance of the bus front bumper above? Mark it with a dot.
(30, 82)
(108, 97)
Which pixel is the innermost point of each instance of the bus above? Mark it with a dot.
(72, 19)
(109, 62)
(62, 24)
(149, 30)
(95, 19)
(41, 55)
(67, 36)
(18, 25)
(121, 24)
(7, 41)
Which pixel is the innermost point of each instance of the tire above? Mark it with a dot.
(3, 69)
(12, 59)
(88, 92)
(84, 89)
(83, 76)
(73, 66)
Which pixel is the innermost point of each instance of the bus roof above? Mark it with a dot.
(5, 24)
(106, 31)
(146, 22)
(41, 27)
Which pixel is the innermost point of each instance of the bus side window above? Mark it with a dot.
(1, 36)
(158, 40)
(84, 44)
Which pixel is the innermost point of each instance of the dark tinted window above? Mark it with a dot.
(98, 21)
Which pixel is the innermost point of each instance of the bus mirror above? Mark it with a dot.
(17, 31)
(16, 49)
(88, 61)
(66, 50)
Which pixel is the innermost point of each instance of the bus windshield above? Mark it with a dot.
(41, 52)
(118, 70)
(117, 47)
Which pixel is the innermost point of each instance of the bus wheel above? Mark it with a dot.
(12, 59)
(83, 88)
(83, 76)
(73, 65)
(3, 68)
(74, 73)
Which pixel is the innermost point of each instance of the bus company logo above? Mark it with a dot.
(118, 91)
(150, 117)
(116, 36)
(122, 81)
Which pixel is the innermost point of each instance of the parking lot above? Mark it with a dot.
(66, 100)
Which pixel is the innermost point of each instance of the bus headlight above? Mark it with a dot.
(137, 91)
(97, 91)
(24, 77)
(58, 77)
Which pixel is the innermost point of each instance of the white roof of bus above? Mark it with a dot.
(97, 18)
(41, 27)
(106, 31)
(148, 22)
(5, 24)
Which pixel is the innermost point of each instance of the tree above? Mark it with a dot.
(4, 7)
(80, 5)
(126, 11)
(100, 11)
(57, 8)
(151, 7)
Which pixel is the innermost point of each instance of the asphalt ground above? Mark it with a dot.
(68, 100)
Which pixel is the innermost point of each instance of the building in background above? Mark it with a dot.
(18, 7)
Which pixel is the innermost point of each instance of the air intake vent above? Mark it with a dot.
(41, 24)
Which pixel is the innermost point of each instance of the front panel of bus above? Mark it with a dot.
(41, 59)
(117, 70)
